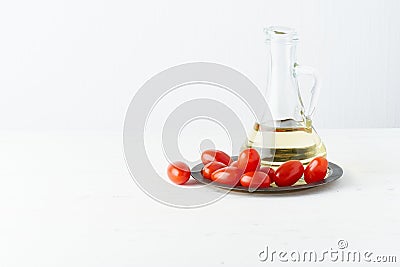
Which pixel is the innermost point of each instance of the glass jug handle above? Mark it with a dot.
(304, 70)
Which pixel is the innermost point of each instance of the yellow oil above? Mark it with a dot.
(289, 141)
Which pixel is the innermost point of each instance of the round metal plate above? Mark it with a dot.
(334, 173)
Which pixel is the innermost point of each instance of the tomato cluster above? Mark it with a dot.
(247, 170)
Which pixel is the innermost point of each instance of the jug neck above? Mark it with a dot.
(282, 94)
(282, 59)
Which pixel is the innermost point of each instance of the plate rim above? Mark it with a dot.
(335, 172)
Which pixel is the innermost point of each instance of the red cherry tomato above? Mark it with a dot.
(178, 172)
(211, 167)
(269, 171)
(234, 164)
(215, 155)
(316, 170)
(228, 175)
(255, 180)
(289, 173)
(249, 160)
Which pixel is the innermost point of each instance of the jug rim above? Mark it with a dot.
(280, 34)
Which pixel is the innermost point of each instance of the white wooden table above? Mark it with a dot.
(67, 199)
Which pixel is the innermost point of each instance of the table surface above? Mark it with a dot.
(67, 199)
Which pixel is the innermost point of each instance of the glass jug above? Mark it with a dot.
(291, 124)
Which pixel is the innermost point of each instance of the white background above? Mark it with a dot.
(68, 71)
(77, 64)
